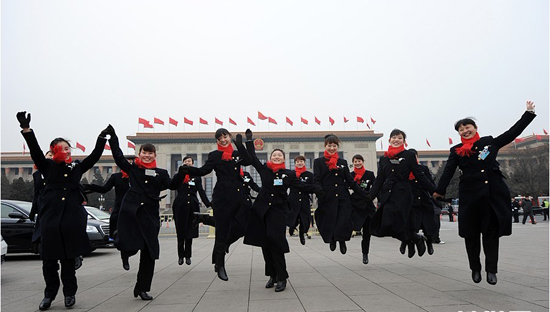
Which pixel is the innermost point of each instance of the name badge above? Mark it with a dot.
(278, 182)
(394, 161)
(192, 183)
(246, 179)
(484, 153)
(149, 172)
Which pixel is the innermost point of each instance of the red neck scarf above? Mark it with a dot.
(392, 151)
(140, 164)
(411, 175)
(241, 172)
(466, 148)
(124, 174)
(186, 179)
(299, 171)
(275, 167)
(60, 156)
(358, 174)
(227, 152)
(331, 160)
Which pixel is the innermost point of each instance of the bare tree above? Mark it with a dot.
(528, 172)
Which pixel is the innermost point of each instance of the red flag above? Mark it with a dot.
(143, 121)
(261, 116)
(131, 145)
(317, 121)
(288, 121)
(173, 121)
(519, 140)
(345, 119)
(372, 120)
(303, 120)
(450, 141)
(80, 146)
(219, 122)
(231, 121)
(187, 121)
(539, 137)
(148, 126)
(250, 121)
(545, 132)
(331, 121)
(367, 125)
(158, 121)
(359, 119)
(428, 142)
(107, 147)
(23, 148)
(202, 121)
(271, 120)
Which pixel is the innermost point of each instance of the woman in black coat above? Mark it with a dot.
(62, 217)
(363, 210)
(333, 215)
(227, 196)
(184, 207)
(139, 220)
(484, 203)
(395, 195)
(300, 202)
(267, 224)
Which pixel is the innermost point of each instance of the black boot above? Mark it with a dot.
(222, 274)
(180, 261)
(188, 261)
(302, 238)
(420, 245)
(410, 245)
(429, 246)
(270, 283)
(476, 276)
(45, 304)
(491, 278)
(343, 247)
(332, 246)
(142, 294)
(125, 263)
(70, 301)
(365, 259)
(281, 285)
(402, 248)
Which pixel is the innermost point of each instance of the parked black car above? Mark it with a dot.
(17, 228)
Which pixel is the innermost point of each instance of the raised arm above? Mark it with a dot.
(95, 155)
(37, 155)
(118, 156)
(177, 180)
(508, 136)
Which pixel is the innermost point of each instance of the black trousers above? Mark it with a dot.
(530, 214)
(436, 238)
(451, 217)
(365, 236)
(545, 213)
(50, 270)
(146, 269)
(515, 212)
(490, 248)
(184, 247)
(275, 264)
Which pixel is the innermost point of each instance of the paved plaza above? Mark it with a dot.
(320, 280)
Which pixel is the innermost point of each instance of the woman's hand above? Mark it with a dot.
(530, 106)
(24, 119)
(436, 195)
(238, 139)
(107, 131)
(248, 134)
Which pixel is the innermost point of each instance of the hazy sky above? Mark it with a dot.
(415, 65)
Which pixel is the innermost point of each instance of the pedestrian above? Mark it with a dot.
(362, 210)
(483, 195)
(299, 201)
(61, 216)
(268, 216)
(333, 214)
(139, 219)
(515, 209)
(527, 205)
(451, 212)
(227, 196)
(185, 205)
(545, 205)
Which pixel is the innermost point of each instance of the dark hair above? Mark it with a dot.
(148, 147)
(414, 151)
(277, 149)
(465, 121)
(187, 157)
(358, 157)
(299, 157)
(59, 140)
(331, 138)
(220, 132)
(398, 132)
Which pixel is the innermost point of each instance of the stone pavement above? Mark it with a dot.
(320, 280)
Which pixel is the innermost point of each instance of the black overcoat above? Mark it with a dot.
(482, 187)
(185, 204)
(362, 209)
(394, 195)
(39, 184)
(333, 215)
(267, 224)
(62, 217)
(227, 197)
(241, 218)
(139, 220)
(300, 203)
(423, 208)
(121, 185)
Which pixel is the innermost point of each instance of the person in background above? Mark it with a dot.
(300, 202)
(515, 209)
(527, 205)
(545, 209)
(451, 212)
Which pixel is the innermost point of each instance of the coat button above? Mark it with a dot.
(300, 199)
(269, 204)
(141, 204)
(238, 190)
(336, 195)
(271, 195)
(188, 202)
(145, 181)
(44, 183)
(418, 197)
(482, 170)
(235, 168)
(62, 198)
(64, 188)
(188, 194)
(336, 174)
(389, 191)
(392, 170)
(299, 192)
(415, 181)
(336, 184)
(65, 175)
(486, 182)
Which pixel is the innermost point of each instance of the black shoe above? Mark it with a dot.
(365, 259)
(410, 245)
(308, 236)
(302, 238)
(125, 263)
(45, 304)
(188, 261)
(491, 278)
(281, 285)
(343, 247)
(402, 248)
(78, 262)
(143, 295)
(332, 246)
(180, 261)
(270, 283)
(476, 276)
(430, 247)
(420, 245)
(222, 274)
(70, 301)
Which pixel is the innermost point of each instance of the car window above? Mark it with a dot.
(6, 210)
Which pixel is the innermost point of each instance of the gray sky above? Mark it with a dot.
(415, 65)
